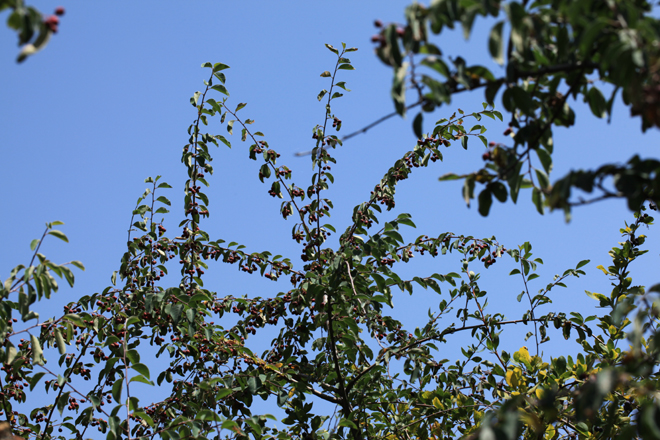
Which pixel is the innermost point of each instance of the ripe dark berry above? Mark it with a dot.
(378, 24)
(51, 23)
(59, 11)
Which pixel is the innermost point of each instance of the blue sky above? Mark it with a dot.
(106, 105)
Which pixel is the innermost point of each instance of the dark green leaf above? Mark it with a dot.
(537, 199)
(597, 102)
(485, 201)
(499, 191)
(496, 44)
(219, 66)
(332, 49)
(117, 388)
(220, 88)
(545, 158)
(417, 125)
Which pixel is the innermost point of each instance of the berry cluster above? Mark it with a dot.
(383, 198)
(52, 21)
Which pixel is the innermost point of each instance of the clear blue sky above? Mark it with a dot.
(106, 105)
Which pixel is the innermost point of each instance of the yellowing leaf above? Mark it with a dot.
(512, 378)
(524, 355)
(437, 403)
(603, 269)
(550, 432)
(539, 393)
(515, 378)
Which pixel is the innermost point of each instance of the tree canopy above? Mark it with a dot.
(338, 362)
(551, 51)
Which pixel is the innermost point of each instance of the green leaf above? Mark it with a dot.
(34, 380)
(75, 319)
(217, 67)
(240, 106)
(222, 393)
(514, 181)
(597, 102)
(648, 421)
(495, 43)
(450, 176)
(522, 100)
(468, 190)
(485, 201)
(174, 310)
(220, 88)
(332, 49)
(37, 351)
(63, 401)
(544, 182)
(117, 388)
(545, 158)
(537, 199)
(142, 369)
(264, 172)
(582, 264)
(417, 125)
(34, 243)
(326, 74)
(499, 191)
(58, 234)
(253, 384)
(223, 140)
(491, 91)
(11, 354)
(346, 67)
(141, 379)
(347, 423)
(61, 345)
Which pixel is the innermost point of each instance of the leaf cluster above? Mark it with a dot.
(552, 51)
(336, 338)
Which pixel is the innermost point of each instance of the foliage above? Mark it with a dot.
(34, 30)
(336, 339)
(550, 50)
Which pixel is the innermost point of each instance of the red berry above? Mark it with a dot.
(375, 38)
(52, 20)
(400, 31)
(378, 24)
(59, 11)
(486, 155)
